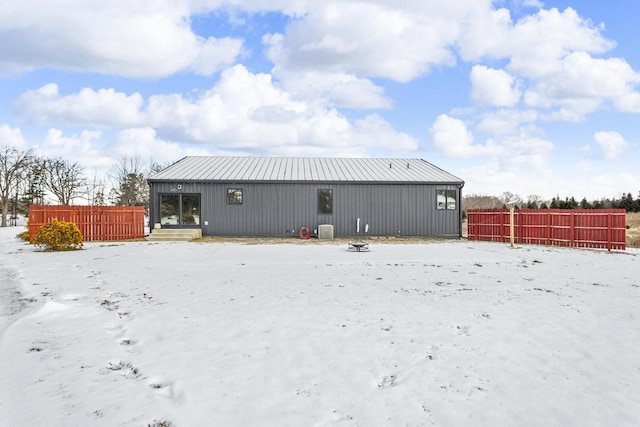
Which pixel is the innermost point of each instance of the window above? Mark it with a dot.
(234, 196)
(325, 201)
(446, 199)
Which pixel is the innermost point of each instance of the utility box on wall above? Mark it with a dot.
(325, 231)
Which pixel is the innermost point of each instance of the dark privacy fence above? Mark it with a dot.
(586, 228)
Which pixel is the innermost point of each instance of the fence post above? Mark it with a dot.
(511, 226)
(549, 228)
(609, 231)
(572, 229)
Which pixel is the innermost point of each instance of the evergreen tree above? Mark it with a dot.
(628, 202)
(130, 187)
(584, 204)
(572, 203)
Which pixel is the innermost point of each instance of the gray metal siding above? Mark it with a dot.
(275, 209)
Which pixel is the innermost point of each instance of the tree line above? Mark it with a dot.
(626, 201)
(27, 179)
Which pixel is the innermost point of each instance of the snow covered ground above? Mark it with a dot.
(449, 333)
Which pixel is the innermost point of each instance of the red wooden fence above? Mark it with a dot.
(94, 222)
(586, 228)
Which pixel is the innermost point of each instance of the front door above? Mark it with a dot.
(180, 210)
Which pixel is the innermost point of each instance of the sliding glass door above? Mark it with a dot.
(180, 210)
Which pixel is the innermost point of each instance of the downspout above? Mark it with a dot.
(460, 209)
(151, 206)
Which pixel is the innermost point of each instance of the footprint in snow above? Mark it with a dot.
(163, 389)
(463, 330)
(124, 368)
(387, 381)
(115, 330)
(127, 343)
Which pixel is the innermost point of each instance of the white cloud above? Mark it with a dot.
(531, 3)
(242, 111)
(506, 121)
(11, 137)
(451, 137)
(101, 108)
(612, 144)
(581, 84)
(609, 185)
(374, 131)
(549, 53)
(144, 144)
(490, 178)
(496, 88)
(398, 42)
(248, 111)
(133, 39)
(535, 44)
(291, 8)
(629, 102)
(525, 151)
(85, 148)
(550, 60)
(521, 166)
(333, 89)
(215, 54)
(517, 161)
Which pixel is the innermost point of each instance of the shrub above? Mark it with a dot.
(24, 235)
(58, 236)
(188, 218)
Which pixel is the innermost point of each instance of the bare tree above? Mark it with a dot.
(479, 201)
(509, 198)
(534, 201)
(94, 191)
(129, 183)
(63, 179)
(13, 164)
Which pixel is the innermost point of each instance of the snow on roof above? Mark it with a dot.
(276, 169)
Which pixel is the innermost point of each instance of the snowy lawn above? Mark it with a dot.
(450, 333)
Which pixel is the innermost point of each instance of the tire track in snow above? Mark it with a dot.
(13, 305)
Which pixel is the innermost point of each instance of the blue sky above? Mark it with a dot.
(526, 96)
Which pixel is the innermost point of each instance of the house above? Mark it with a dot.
(285, 196)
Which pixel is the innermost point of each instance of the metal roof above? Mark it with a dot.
(304, 169)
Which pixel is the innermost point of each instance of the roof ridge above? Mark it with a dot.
(306, 169)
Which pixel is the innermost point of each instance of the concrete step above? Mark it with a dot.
(174, 234)
(153, 238)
